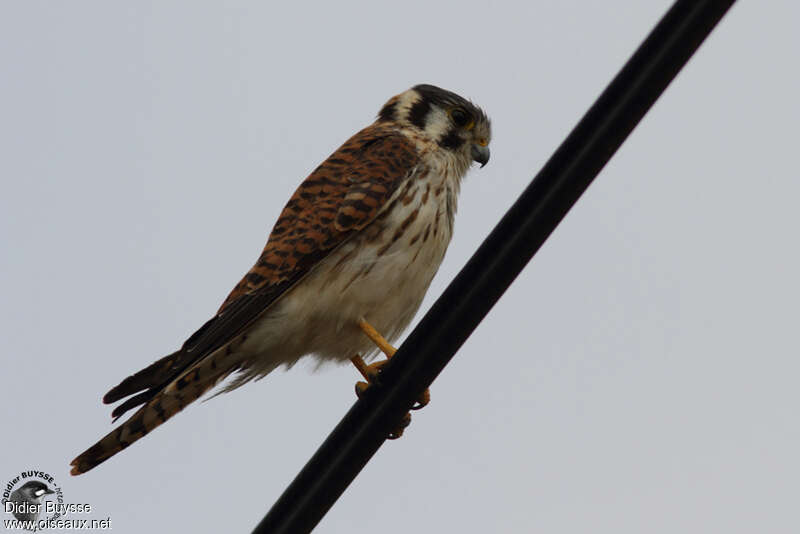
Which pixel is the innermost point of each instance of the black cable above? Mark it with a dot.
(494, 266)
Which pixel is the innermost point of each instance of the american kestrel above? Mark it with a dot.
(344, 270)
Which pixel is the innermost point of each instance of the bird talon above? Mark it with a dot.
(361, 387)
(371, 374)
(422, 400)
(374, 371)
(397, 432)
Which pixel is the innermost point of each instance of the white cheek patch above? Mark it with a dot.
(405, 102)
(437, 123)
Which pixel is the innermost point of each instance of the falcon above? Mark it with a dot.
(343, 272)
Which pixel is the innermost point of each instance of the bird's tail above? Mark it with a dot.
(187, 387)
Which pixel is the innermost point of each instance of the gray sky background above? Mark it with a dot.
(640, 376)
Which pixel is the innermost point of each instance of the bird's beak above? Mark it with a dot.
(480, 154)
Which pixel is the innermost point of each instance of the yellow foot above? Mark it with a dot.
(371, 373)
(376, 338)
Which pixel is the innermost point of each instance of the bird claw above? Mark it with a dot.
(361, 387)
(422, 400)
(397, 432)
(372, 375)
(373, 371)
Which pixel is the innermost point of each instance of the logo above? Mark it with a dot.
(32, 496)
(32, 500)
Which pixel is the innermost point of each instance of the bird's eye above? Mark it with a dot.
(460, 118)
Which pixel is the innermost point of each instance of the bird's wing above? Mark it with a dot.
(338, 198)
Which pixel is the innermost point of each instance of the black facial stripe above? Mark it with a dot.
(387, 112)
(451, 140)
(418, 113)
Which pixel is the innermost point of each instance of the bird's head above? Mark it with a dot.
(453, 122)
(35, 489)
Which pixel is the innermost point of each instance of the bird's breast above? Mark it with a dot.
(381, 273)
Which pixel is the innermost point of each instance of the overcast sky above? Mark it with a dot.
(641, 375)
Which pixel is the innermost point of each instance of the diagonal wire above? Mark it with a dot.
(494, 266)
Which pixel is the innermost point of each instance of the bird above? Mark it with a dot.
(27, 500)
(344, 270)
